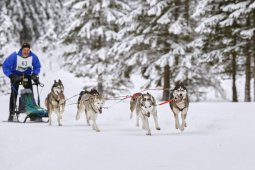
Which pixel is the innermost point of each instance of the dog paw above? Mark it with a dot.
(148, 134)
(60, 125)
(158, 128)
(97, 130)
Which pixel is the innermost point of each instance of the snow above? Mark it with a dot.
(218, 136)
(175, 28)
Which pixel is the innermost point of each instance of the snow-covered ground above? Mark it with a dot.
(219, 136)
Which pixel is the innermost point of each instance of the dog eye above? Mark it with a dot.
(149, 106)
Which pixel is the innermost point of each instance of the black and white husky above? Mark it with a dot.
(55, 101)
(90, 102)
(145, 106)
(180, 104)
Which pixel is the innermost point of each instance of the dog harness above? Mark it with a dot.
(58, 97)
(180, 101)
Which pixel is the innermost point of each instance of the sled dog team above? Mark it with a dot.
(143, 104)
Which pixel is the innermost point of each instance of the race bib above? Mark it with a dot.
(23, 63)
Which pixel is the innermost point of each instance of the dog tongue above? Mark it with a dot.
(61, 95)
(179, 99)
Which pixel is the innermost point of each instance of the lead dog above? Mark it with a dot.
(145, 106)
(92, 103)
(180, 104)
(55, 101)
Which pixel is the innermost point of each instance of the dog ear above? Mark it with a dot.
(181, 83)
(153, 101)
(55, 81)
(177, 85)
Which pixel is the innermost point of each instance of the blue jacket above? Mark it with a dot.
(17, 65)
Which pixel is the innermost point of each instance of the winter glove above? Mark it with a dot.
(35, 78)
(15, 79)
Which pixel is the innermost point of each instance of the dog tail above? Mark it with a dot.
(79, 99)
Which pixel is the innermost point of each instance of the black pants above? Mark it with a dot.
(14, 93)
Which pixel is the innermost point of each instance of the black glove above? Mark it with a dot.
(15, 79)
(35, 78)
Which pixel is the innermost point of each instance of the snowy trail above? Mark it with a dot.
(218, 136)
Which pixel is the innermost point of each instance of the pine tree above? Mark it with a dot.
(90, 35)
(220, 38)
(155, 41)
(228, 30)
(7, 40)
(56, 20)
(7, 34)
(30, 17)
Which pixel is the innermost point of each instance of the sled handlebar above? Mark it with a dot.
(39, 83)
(21, 80)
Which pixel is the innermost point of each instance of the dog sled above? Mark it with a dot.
(28, 106)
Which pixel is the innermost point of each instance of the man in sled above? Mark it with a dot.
(21, 66)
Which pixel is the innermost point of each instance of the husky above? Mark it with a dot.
(180, 103)
(133, 103)
(91, 102)
(145, 106)
(55, 101)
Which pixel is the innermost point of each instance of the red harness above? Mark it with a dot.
(168, 101)
(135, 95)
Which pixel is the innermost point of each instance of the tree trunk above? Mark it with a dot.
(186, 13)
(247, 97)
(253, 74)
(234, 90)
(253, 54)
(100, 86)
(177, 9)
(166, 86)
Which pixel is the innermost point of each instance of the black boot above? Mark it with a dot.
(10, 119)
